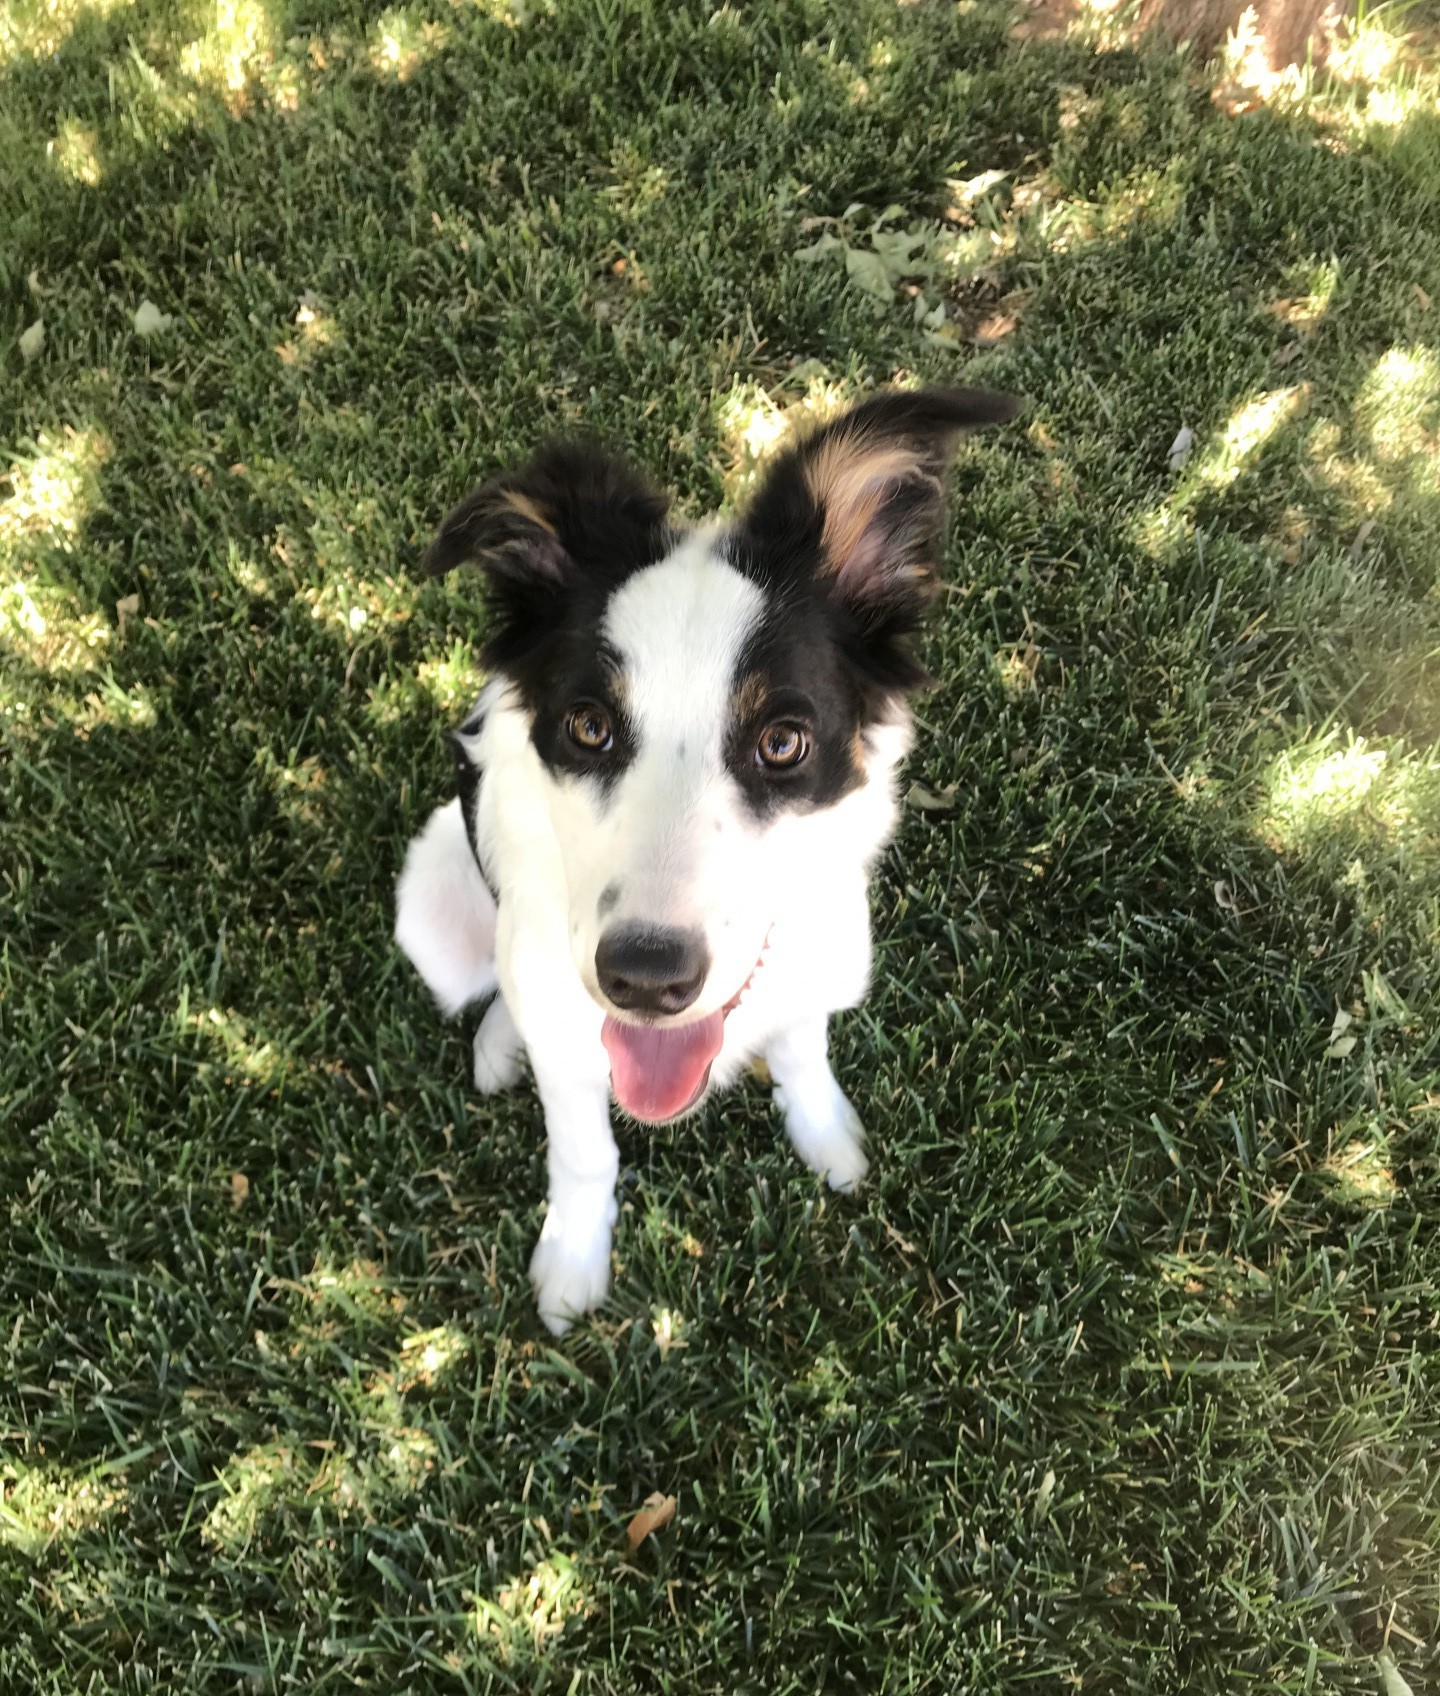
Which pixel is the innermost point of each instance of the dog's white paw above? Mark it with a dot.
(498, 1050)
(497, 1061)
(571, 1274)
(829, 1138)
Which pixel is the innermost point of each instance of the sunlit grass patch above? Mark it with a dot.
(669, 1330)
(454, 680)
(39, 28)
(358, 1288)
(428, 1356)
(1370, 50)
(1361, 1173)
(242, 1053)
(402, 38)
(347, 600)
(1311, 292)
(751, 424)
(115, 707)
(253, 578)
(1018, 667)
(43, 1505)
(1352, 474)
(249, 1486)
(1321, 787)
(511, 12)
(300, 786)
(1399, 409)
(1221, 1279)
(353, 1480)
(45, 626)
(238, 42)
(529, 1612)
(1250, 427)
(75, 152)
(52, 487)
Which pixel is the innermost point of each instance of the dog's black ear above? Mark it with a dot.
(574, 512)
(570, 505)
(861, 501)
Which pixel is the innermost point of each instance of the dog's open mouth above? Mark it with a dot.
(660, 1071)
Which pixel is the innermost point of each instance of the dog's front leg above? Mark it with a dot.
(822, 1125)
(570, 1268)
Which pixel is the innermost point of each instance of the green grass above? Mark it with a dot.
(1122, 1375)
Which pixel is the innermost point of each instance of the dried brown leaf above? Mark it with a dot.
(655, 1513)
(994, 329)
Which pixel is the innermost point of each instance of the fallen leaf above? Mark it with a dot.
(1044, 1494)
(1421, 297)
(239, 1190)
(128, 606)
(929, 800)
(32, 340)
(897, 250)
(1182, 447)
(819, 248)
(968, 191)
(1288, 354)
(994, 329)
(867, 271)
(1362, 536)
(656, 1512)
(1225, 897)
(149, 320)
(1341, 1041)
(1390, 1677)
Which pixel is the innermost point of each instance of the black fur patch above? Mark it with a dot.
(880, 573)
(578, 668)
(795, 669)
(555, 540)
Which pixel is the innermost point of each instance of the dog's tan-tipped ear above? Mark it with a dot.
(573, 514)
(572, 505)
(866, 491)
(501, 520)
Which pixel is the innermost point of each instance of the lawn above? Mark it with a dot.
(1123, 1374)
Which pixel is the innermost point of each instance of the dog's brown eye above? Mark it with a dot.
(588, 727)
(782, 745)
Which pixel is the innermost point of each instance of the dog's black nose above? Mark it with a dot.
(647, 970)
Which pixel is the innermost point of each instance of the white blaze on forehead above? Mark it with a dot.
(680, 628)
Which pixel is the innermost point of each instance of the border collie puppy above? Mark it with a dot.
(674, 788)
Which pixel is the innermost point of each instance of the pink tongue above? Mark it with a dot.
(657, 1071)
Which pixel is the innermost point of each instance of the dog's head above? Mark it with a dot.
(706, 706)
